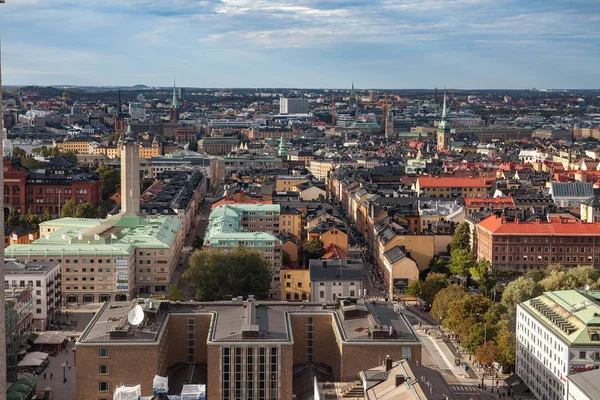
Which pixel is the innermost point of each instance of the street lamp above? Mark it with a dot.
(64, 365)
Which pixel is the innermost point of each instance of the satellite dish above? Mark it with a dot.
(136, 315)
(586, 287)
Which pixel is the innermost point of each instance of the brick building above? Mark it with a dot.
(519, 245)
(246, 349)
(24, 188)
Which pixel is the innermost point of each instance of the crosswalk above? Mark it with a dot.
(463, 388)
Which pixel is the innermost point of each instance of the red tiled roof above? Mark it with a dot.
(334, 251)
(497, 226)
(430, 182)
(494, 202)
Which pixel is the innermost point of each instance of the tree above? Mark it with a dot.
(461, 238)
(488, 353)
(285, 258)
(175, 294)
(14, 218)
(19, 152)
(432, 285)
(86, 210)
(439, 265)
(481, 269)
(441, 301)
(47, 215)
(518, 291)
(571, 278)
(313, 249)
(506, 340)
(414, 289)
(461, 262)
(110, 180)
(197, 243)
(68, 209)
(193, 145)
(217, 274)
(31, 220)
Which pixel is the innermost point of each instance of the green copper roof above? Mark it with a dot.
(127, 234)
(225, 226)
(570, 314)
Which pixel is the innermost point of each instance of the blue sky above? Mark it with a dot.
(303, 43)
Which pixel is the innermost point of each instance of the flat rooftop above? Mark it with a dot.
(246, 321)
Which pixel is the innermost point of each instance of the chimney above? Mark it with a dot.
(388, 363)
(400, 379)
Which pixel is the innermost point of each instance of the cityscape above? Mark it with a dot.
(185, 228)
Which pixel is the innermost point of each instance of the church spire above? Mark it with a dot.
(352, 91)
(174, 102)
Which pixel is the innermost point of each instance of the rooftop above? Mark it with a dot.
(499, 226)
(243, 321)
(571, 314)
(97, 236)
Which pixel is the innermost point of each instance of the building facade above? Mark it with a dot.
(44, 280)
(519, 246)
(557, 336)
(249, 349)
(41, 190)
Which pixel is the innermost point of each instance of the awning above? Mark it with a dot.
(51, 338)
(513, 379)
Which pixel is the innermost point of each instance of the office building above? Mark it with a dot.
(557, 336)
(246, 348)
(44, 280)
(288, 105)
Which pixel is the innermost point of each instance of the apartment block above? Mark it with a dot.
(43, 278)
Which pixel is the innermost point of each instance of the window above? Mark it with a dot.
(582, 355)
(103, 352)
(103, 369)
(406, 353)
(322, 294)
(103, 386)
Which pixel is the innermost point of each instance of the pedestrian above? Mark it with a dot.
(50, 375)
(44, 375)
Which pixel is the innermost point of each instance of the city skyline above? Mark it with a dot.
(252, 43)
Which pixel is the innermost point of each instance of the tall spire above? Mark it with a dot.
(174, 101)
(352, 91)
(119, 106)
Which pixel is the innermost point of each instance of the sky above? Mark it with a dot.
(386, 44)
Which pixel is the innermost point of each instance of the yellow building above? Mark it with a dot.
(295, 284)
(330, 233)
(289, 183)
(144, 152)
(290, 221)
(79, 147)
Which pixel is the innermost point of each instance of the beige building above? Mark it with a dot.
(289, 183)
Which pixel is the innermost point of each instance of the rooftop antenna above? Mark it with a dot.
(136, 315)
